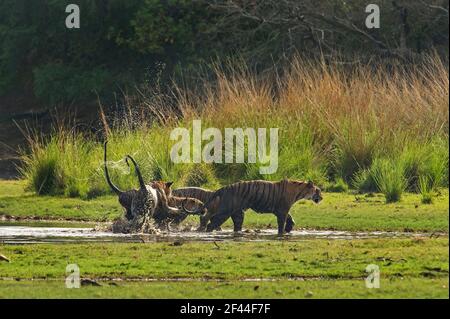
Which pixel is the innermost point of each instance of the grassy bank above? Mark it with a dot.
(371, 129)
(341, 211)
(392, 288)
(326, 266)
(233, 260)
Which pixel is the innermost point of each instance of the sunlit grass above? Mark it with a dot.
(333, 126)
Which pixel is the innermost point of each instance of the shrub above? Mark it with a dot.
(199, 175)
(364, 182)
(339, 186)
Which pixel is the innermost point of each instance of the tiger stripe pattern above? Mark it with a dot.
(262, 197)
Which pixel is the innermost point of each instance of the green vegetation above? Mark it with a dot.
(392, 288)
(340, 211)
(335, 129)
(363, 115)
(339, 186)
(39, 55)
(425, 190)
(232, 260)
(331, 263)
(389, 177)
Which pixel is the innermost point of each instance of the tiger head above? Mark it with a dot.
(305, 190)
(164, 186)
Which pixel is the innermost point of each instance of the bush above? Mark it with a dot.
(339, 186)
(364, 182)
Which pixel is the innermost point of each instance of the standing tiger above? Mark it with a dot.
(205, 195)
(261, 196)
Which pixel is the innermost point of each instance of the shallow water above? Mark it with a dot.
(26, 234)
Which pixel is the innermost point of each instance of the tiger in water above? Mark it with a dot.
(262, 197)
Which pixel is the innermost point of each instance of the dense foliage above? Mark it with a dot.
(124, 42)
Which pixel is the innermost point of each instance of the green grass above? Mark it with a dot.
(16, 201)
(426, 190)
(317, 258)
(392, 288)
(390, 178)
(410, 267)
(340, 211)
(326, 266)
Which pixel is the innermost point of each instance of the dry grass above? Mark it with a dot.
(334, 120)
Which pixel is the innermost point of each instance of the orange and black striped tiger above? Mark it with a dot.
(261, 196)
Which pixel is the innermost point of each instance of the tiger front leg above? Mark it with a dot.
(238, 220)
(204, 219)
(216, 221)
(281, 220)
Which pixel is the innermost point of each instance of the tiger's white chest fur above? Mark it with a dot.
(153, 195)
(145, 202)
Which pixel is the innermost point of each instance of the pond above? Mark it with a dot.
(30, 234)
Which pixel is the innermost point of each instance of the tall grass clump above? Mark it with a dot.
(64, 164)
(363, 181)
(426, 190)
(427, 159)
(389, 177)
(41, 168)
(337, 186)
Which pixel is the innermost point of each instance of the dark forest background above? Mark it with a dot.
(121, 43)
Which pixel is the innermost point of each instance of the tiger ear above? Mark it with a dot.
(169, 184)
(310, 183)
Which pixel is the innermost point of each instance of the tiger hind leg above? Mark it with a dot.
(289, 224)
